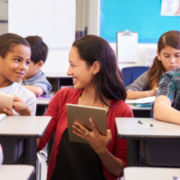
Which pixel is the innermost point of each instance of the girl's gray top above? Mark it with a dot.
(140, 84)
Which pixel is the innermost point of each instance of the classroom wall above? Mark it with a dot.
(94, 26)
(141, 54)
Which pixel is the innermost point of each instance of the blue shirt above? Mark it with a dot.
(170, 87)
(39, 80)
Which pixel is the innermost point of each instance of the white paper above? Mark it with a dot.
(150, 55)
(2, 117)
(53, 20)
(141, 100)
(170, 8)
(127, 47)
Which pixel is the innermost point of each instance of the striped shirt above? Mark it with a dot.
(170, 87)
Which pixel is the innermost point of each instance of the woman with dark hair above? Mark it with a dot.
(97, 82)
(166, 60)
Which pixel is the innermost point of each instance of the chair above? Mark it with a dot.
(130, 74)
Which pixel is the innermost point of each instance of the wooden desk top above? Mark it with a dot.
(19, 172)
(145, 173)
(24, 126)
(130, 128)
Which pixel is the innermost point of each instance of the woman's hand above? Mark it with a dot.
(19, 106)
(97, 141)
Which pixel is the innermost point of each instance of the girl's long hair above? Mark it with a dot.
(170, 38)
(109, 80)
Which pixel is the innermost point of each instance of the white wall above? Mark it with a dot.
(141, 54)
(58, 59)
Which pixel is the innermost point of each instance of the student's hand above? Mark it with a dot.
(152, 92)
(97, 141)
(19, 106)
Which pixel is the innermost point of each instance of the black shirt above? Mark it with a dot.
(77, 161)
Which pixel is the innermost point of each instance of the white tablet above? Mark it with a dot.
(82, 114)
(6, 101)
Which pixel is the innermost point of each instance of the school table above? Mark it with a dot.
(19, 172)
(28, 128)
(59, 79)
(140, 111)
(144, 173)
(148, 128)
(45, 99)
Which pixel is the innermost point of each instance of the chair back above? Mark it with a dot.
(130, 74)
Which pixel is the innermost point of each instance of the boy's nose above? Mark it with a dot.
(22, 66)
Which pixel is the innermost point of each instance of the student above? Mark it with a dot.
(167, 103)
(15, 55)
(35, 80)
(97, 82)
(14, 62)
(163, 62)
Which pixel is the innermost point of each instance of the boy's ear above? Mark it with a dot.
(40, 64)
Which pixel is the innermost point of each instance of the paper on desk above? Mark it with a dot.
(141, 100)
(2, 116)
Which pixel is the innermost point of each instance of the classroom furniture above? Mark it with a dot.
(161, 141)
(29, 128)
(130, 74)
(57, 80)
(140, 111)
(144, 173)
(19, 172)
(45, 99)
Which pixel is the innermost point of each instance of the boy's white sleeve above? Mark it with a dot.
(31, 103)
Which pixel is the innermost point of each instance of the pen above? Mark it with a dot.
(144, 123)
(176, 178)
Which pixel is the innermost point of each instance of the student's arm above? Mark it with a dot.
(38, 91)
(163, 110)
(136, 89)
(140, 94)
(19, 106)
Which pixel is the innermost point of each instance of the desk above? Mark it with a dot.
(58, 79)
(28, 128)
(130, 129)
(19, 172)
(140, 111)
(139, 173)
(44, 101)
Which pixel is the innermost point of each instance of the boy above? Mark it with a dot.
(35, 80)
(15, 55)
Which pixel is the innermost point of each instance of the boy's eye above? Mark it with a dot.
(166, 56)
(18, 60)
(72, 65)
(27, 62)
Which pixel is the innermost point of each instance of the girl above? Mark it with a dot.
(165, 61)
(97, 82)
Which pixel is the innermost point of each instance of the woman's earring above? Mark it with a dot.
(94, 73)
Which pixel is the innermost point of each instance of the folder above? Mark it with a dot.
(127, 47)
